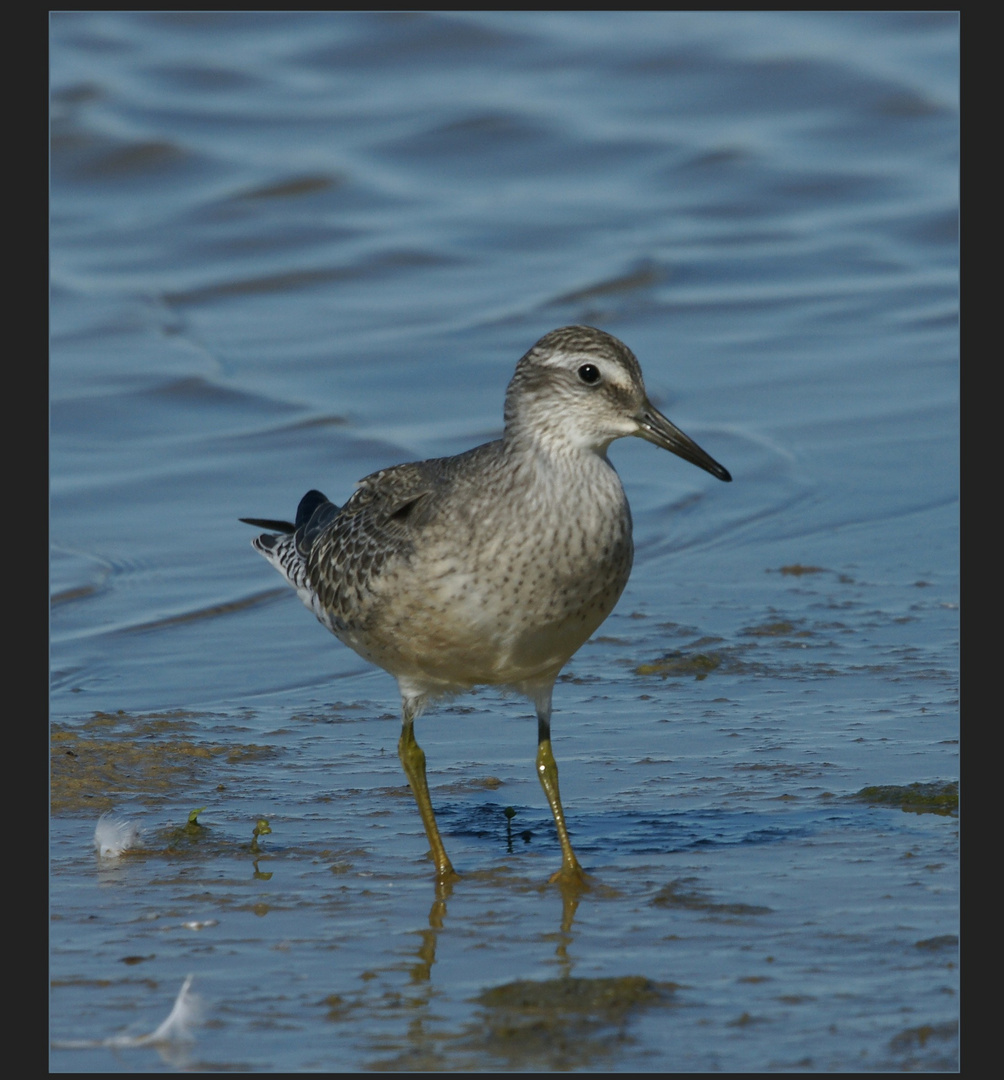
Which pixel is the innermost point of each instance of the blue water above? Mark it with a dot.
(288, 249)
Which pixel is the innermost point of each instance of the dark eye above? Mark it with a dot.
(589, 373)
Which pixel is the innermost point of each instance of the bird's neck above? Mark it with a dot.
(555, 447)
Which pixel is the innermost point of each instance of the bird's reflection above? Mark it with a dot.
(421, 971)
(571, 894)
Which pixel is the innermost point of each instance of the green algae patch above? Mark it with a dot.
(192, 832)
(775, 646)
(563, 1023)
(110, 756)
(934, 798)
(607, 998)
(553, 1025)
(919, 1036)
(682, 665)
(927, 1048)
(475, 783)
(942, 941)
(203, 842)
(776, 628)
(681, 894)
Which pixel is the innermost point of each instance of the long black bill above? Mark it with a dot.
(657, 429)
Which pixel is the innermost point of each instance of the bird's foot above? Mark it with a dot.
(571, 877)
(445, 874)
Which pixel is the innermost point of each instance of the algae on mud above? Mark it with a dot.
(677, 894)
(941, 797)
(530, 1025)
(111, 756)
(563, 1023)
(700, 665)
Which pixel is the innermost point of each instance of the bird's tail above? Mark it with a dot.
(288, 543)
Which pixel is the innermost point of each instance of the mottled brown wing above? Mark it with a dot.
(377, 523)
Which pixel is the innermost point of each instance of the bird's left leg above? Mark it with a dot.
(571, 872)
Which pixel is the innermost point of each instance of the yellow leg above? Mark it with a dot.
(413, 759)
(571, 872)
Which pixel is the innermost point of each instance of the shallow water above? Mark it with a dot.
(290, 249)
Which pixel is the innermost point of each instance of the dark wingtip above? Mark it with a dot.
(308, 504)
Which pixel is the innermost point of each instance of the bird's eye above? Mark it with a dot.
(589, 374)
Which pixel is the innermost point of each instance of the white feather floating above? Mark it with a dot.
(178, 1025)
(177, 1028)
(114, 835)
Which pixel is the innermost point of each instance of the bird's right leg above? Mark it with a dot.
(413, 760)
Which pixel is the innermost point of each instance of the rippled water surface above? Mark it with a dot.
(290, 249)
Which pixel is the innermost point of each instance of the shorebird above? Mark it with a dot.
(494, 566)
